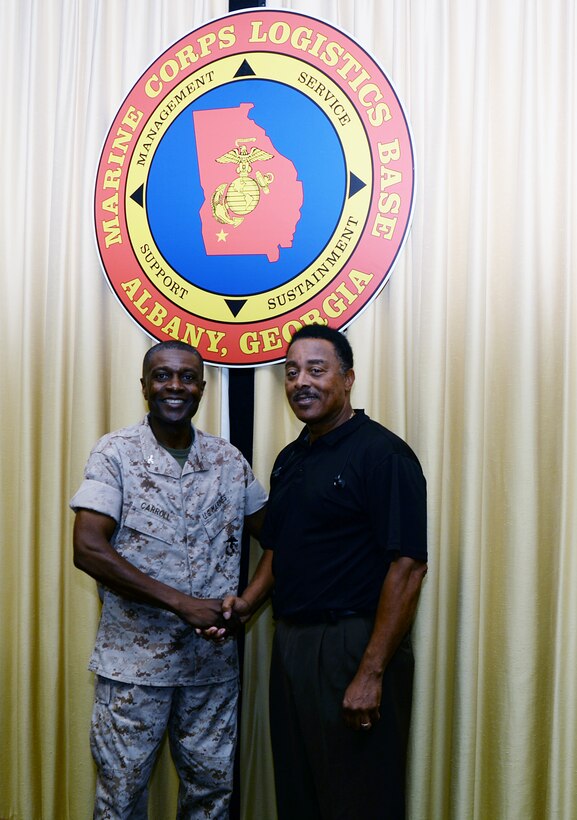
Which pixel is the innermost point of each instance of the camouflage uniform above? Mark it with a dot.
(184, 529)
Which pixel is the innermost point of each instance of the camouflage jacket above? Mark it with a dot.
(181, 527)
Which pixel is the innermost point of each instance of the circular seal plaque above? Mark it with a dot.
(259, 176)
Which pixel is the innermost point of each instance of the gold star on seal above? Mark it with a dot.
(221, 236)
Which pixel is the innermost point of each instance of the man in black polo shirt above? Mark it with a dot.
(344, 554)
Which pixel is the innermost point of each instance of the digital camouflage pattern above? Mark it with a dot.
(202, 733)
(181, 527)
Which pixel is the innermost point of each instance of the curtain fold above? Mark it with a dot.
(469, 353)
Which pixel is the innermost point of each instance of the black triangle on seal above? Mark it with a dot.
(245, 70)
(355, 184)
(138, 196)
(235, 305)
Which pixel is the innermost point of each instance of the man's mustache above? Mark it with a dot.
(304, 394)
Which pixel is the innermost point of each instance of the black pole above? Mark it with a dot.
(241, 420)
(239, 5)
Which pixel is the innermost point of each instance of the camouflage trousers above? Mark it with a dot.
(128, 726)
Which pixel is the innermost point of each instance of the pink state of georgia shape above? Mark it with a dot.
(252, 197)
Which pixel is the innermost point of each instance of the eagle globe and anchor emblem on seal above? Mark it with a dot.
(243, 194)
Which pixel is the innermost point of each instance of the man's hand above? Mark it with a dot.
(233, 614)
(201, 612)
(236, 608)
(395, 614)
(362, 701)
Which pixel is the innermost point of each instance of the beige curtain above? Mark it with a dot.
(470, 353)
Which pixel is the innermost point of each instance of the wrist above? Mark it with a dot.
(372, 665)
(179, 603)
(246, 604)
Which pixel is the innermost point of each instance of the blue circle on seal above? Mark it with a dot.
(174, 194)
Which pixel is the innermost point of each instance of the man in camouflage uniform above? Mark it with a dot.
(159, 519)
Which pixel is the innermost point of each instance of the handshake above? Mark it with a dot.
(216, 620)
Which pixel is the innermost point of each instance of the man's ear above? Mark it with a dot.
(143, 387)
(349, 379)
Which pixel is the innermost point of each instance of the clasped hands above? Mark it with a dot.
(234, 613)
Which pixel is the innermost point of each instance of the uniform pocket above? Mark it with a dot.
(151, 521)
(102, 690)
(217, 516)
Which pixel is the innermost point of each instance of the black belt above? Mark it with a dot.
(323, 616)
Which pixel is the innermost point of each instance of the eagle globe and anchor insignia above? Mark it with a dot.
(242, 195)
(258, 177)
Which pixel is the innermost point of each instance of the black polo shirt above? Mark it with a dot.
(340, 510)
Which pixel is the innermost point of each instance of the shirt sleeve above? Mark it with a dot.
(93, 495)
(400, 525)
(256, 497)
(101, 490)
